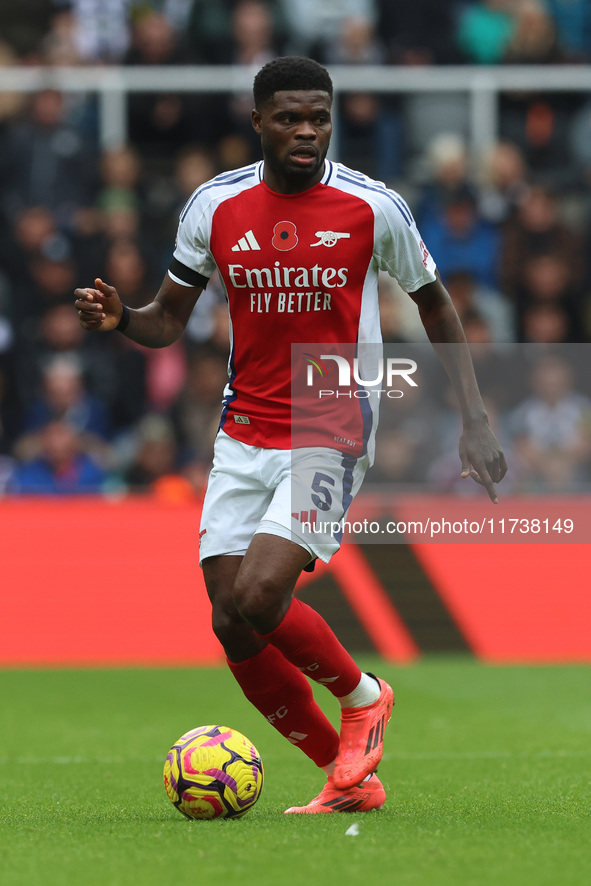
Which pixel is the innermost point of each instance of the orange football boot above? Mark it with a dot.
(362, 739)
(361, 798)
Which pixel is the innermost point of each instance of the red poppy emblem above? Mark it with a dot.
(284, 236)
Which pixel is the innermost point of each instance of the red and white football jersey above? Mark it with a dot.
(296, 268)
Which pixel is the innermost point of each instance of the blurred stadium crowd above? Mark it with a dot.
(510, 231)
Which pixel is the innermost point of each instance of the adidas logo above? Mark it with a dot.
(375, 737)
(295, 737)
(246, 243)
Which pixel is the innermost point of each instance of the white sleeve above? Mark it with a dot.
(192, 261)
(398, 246)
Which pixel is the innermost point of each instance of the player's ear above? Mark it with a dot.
(256, 121)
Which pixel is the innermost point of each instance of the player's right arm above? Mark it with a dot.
(156, 325)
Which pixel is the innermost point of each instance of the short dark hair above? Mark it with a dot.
(290, 73)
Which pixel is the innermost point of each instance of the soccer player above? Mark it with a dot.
(298, 241)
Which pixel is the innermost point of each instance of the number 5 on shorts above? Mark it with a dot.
(322, 498)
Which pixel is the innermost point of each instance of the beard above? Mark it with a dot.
(282, 165)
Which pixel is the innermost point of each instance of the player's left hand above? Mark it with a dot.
(99, 309)
(482, 457)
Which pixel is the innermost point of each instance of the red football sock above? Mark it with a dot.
(306, 640)
(284, 697)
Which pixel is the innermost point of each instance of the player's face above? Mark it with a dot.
(295, 129)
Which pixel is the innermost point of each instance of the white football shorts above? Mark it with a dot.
(301, 495)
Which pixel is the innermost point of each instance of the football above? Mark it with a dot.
(213, 772)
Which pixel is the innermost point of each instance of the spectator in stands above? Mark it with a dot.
(123, 385)
(390, 316)
(445, 167)
(539, 122)
(63, 399)
(177, 12)
(540, 125)
(485, 29)
(27, 246)
(63, 396)
(164, 369)
(121, 222)
(354, 43)
(534, 40)
(370, 130)
(126, 263)
(460, 239)
(156, 453)
(166, 373)
(477, 328)
(552, 429)
(196, 411)
(120, 170)
(135, 206)
(312, 24)
(538, 230)
(155, 41)
(43, 282)
(502, 182)
(23, 26)
(193, 166)
(52, 273)
(572, 19)
(60, 467)
(252, 40)
(100, 28)
(32, 231)
(209, 319)
(219, 337)
(50, 162)
(212, 29)
(50, 336)
(408, 326)
(60, 45)
(234, 150)
(405, 443)
(547, 279)
(545, 324)
(118, 211)
(417, 33)
(471, 298)
(161, 123)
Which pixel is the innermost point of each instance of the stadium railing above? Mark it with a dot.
(482, 85)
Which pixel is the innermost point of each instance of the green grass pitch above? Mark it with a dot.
(487, 770)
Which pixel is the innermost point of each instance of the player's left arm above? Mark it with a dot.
(481, 455)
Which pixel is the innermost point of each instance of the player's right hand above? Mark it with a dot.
(98, 309)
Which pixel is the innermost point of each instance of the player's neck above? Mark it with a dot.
(287, 184)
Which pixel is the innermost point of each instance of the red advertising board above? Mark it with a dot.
(87, 582)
